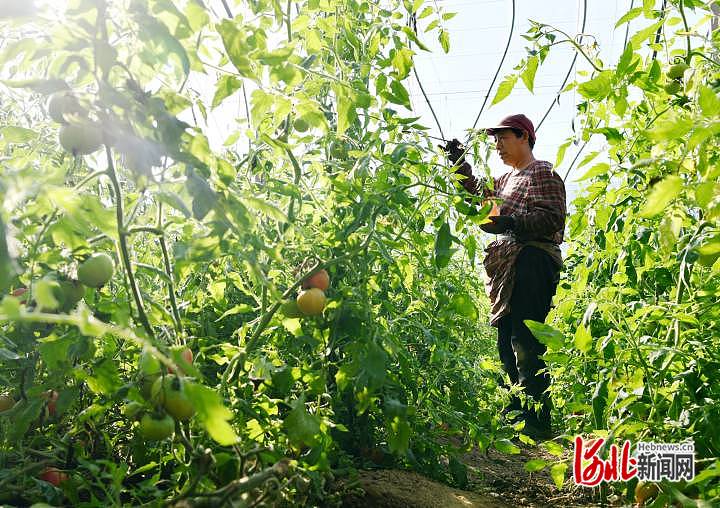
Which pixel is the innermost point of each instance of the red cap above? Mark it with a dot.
(514, 122)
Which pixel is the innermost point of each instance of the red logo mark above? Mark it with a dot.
(590, 470)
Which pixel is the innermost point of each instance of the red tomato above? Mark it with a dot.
(320, 280)
(53, 475)
(18, 292)
(187, 355)
(52, 397)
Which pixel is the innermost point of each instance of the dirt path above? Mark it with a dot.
(495, 480)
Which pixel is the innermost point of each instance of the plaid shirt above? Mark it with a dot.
(535, 198)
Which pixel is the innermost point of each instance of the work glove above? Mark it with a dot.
(454, 150)
(500, 224)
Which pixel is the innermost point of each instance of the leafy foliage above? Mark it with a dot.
(208, 239)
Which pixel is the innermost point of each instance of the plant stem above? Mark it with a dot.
(122, 236)
(687, 31)
(168, 271)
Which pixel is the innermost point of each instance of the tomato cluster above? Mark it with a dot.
(165, 396)
(311, 300)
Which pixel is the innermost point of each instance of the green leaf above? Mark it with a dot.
(22, 415)
(54, 351)
(709, 102)
(462, 304)
(444, 39)
(505, 88)
(211, 413)
(15, 134)
(43, 86)
(399, 94)
(237, 48)
(267, 208)
(712, 471)
(661, 196)
(534, 465)
(226, 86)
(242, 308)
(402, 61)
(105, 379)
(554, 448)
(345, 111)
(561, 153)
(196, 14)
(599, 403)
(46, 291)
(598, 87)
(546, 334)
(625, 60)
(7, 266)
(557, 472)
(596, 170)
(528, 75)
(629, 16)
(459, 472)
(302, 428)
(672, 128)
(443, 241)
(506, 446)
(399, 435)
(175, 201)
(583, 339)
(155, 30)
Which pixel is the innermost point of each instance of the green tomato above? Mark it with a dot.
(672, 88)
(96, 270)
(72, 292)
(132, 410)
(169, 392)
(63, 105)
(150, 370)
(301, 125)
(81, 138)
(677, 70)
(148, 364)
(290, 309)
(154, 427)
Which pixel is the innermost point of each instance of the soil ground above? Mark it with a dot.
(495, 480)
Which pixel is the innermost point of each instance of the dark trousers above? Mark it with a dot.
(536, 279)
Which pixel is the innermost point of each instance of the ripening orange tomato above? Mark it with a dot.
(311, 302)
(319, 279)
(53, 475)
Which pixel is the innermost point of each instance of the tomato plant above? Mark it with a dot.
(114, 178)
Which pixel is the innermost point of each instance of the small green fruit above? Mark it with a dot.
(132, 410)
(672, 88)
(301, 125)
(64, 106)
(81, 138)
(96, 270)
(154, 427)
(677, 70)
(169, 393)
